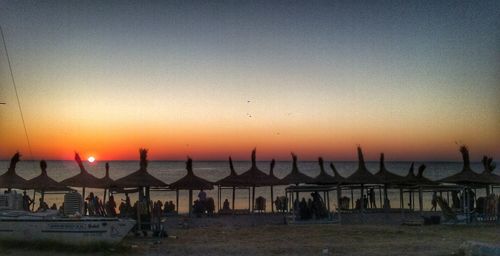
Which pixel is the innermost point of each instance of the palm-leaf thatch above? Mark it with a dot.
(487, 176)
(254, 177)
(44, 183)
(324, 178)
(82, 179)
(387, 177)
(277, 180)
(190, 181)
(141, 177)
(466, 175)
(362, 175)
(336, 174)
(295, 176)
(106, 181)
(10, 179)
(232, 180)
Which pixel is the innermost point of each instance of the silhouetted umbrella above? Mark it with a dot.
(467, 176)
(82, 179)
(10, 179)
(45, 183)
(141, 177)
(232, 179)
(487, 176)
(336, 174)
(362, 175)
(323, 178)
(387, 177)
(191, 182)
(410, 179)
(254, 177)
(106, 181)
(296, 177)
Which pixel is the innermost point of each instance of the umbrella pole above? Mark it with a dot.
(34, 196)
(352, 199)
(190, 202)
(43, 196)
(401, 199)
(339, 195)
(104, 197)
(177, 200)
(380, 197)
(420, 199)
(272, 198)
(362, 202)
(249, 199)
(234, 192)
(83, 201)
(253, 198)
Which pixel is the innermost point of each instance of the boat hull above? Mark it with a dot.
(65, 230)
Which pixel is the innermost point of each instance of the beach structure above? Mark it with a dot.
(191, 182)
(361, 177)
(295, 176)
(419, 182)
(232, 181)
(278, 182)
(44, 183)
(83, 179)
(388, 179)
(106, 182)
(324, 178)
(254, 177)
(340, 180)
(10, 179)
(487, 177)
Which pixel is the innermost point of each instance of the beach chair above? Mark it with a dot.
(450, 217)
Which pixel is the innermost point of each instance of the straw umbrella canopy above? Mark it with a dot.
(336, 174)
(385, 176)
(191, 182)
(296, 177)
(254, 177)
(107, 182)
(10, 179)
(324, 178)
(82, 179)
(487, 176)
(466, 176)
(232, 180)
(362, 175)
(44, 183)
(141, 177)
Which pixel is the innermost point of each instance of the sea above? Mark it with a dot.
(170, 171)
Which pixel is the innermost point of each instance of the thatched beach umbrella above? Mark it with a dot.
(466, 176)
(45, 183)
(10, 179)
(324, 178)
(82, 179)
(140, 178)
(254, 177)
(232, 180)
(106, 182)
(191, 182)
(487, 177)
(340, 180)
(362, 176)
(387, 178)
(276, 182)
(295, 176)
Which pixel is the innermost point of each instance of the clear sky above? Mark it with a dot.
(215, 78)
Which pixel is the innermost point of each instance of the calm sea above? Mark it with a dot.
(170, 171)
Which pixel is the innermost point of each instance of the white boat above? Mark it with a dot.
(50, 225)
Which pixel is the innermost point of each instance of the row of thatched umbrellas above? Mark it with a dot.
(252, 178)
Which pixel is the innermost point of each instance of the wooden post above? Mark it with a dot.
(190, 202)
(253, 199)
(83, 201)
(362, 203)
(339, 196)
(177, 200)
(272, 200)
(234, 196)
(352, 199)
(104, 197)
(420, 199)
(380, 197)
(34, 196)
(401, 199)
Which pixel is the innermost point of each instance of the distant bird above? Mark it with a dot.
(248, 101)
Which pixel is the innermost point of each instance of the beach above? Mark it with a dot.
(267, 235)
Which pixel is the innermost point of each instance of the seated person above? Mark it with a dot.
(225, 206)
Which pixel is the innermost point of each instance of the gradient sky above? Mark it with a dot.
(210, 79)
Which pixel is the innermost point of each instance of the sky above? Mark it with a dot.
(209, 79)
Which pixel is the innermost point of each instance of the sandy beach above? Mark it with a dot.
(267, 235)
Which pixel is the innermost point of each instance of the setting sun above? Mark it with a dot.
(91, 159)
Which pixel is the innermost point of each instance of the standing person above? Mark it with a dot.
(373, 203)
(111, 206)
(434, 201)
(202, 196)
(27, 202)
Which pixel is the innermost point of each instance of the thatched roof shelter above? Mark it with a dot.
(82, 179)
(44, 183)
(277, 181)
(466, 176)
(324, 178)
(296, 177)
(232, 180)
(336, 174)
(106, 181)
(190, 181)
(141, 177)
(362, 175)
(487, 176)
(10, 179)
(387, 177)
(254, 177)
